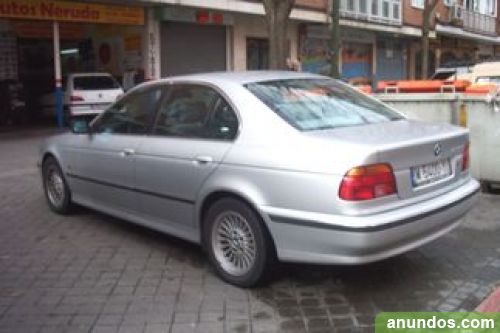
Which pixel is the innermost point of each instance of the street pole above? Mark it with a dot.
(58, 77)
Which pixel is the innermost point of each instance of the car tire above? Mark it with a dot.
(239, 245)
(55, 187)
(486, 187)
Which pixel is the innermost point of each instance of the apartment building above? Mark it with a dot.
(44, 40)
(466, 32)
(149, 39)
(381, 38)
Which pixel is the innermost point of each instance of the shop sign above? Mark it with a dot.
(70, 11)
(321, 31)
(358, 36)
(191, 15)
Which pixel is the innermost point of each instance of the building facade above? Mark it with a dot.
(150, 39)
(466, 31)
(463, 32)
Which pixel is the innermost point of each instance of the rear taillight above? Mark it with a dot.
(465, 157)
(368, 182)
(75, 98)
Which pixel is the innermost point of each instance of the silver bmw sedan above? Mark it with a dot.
(265, 166)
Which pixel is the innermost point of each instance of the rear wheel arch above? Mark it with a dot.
(215, 196)
(48, 155)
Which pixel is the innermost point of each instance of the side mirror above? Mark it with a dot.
(79, 126)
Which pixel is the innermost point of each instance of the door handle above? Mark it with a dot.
(128, 152)
(203, 159)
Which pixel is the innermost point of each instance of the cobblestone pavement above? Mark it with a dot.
(90, 272)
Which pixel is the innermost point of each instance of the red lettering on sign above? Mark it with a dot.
(217, 18)
(50, 10)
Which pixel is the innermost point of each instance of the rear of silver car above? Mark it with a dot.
(398, 185)
(432, 194)
(313, 171)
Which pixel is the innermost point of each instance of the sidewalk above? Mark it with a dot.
(88, 272)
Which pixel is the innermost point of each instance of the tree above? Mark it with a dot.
(427, 16)
(277, 16)
(335, 40)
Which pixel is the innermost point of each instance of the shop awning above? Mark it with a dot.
(450, 31)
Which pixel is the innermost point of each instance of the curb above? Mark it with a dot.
(491, 303)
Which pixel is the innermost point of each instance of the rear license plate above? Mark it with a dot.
(430, 173)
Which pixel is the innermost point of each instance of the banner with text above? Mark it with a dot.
(70, 11)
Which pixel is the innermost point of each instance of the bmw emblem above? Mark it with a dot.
(437, 149)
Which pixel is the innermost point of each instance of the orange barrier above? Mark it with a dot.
(422, 86)
(481, 89)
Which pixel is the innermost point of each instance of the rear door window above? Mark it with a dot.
(196, 111)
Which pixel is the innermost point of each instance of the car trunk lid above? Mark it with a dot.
(424, 156)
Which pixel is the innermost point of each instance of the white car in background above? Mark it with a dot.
(85, 94)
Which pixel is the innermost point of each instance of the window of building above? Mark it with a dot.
(418, 3)
(363, 6)
(385, 9)
(395, 10)
(257, 53)
(375, 8)
(487, 7)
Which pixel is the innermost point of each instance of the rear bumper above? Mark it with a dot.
(87, 109)
(361, 239)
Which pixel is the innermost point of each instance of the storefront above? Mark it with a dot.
(358, 53)
(42, 41)
(251, 42)
(194, 40)
(391, 58)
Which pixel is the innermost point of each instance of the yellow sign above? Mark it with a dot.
(70, 11)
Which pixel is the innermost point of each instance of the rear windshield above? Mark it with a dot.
(95, 83)
(314, 104)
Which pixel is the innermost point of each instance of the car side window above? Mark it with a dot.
(132, 115)
(223, 123)
(188, 113)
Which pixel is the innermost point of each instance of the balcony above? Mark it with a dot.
(479, 23)
(379, 11)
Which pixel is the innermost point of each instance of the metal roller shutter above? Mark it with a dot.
(192, 48)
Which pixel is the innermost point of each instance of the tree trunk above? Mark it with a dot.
(429, 9)
(277, 14)
(335, 40)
